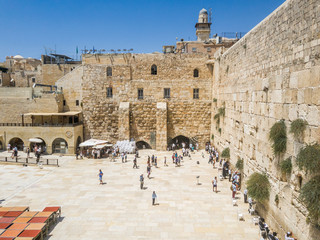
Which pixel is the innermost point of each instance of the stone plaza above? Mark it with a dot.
(119, 209)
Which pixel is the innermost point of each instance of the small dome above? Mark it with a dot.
(17, 56)
(203, 11)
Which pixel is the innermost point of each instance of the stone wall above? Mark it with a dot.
(131, 72)
(272, 73)
(72, 89)
(53, 72)
(17, 101)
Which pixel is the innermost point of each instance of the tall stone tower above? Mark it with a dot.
(203, 26)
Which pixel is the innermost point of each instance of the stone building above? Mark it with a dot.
(154, 98)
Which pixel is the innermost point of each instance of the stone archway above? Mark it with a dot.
(43, 145)
(178, 140)
(17, 142)
(143, 145)
(60, 145)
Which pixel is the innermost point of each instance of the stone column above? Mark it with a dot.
(161, 139)
(124, 121)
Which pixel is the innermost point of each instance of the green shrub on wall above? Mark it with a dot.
(309, 158)
(278, 137)
(258, 187)
(225, 153)
(286, 166)
(298, 127)
(239, 164)
(310, 195)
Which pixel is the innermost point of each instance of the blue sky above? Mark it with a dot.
(30, 26)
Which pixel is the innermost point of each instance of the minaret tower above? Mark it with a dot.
(203, 26)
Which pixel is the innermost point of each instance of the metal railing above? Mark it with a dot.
(44, 161)
(39, 125)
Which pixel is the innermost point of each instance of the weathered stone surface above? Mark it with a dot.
(279, 70)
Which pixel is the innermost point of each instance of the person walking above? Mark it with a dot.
(141, 181)
(28, 152)
(245, 195)
(156, 162)
(234, 190)
(165, 162)
(135, 163)
(154, 196)
(100, 176)
(149, 170)
(214, 185)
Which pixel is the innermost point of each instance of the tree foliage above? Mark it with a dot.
(298, 127)
(258, 187)
(309, 158)
(239, 164)
(278, 137)
(225, 153)
(310, 195)
(286, 165)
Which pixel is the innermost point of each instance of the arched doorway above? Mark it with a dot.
(59, 145)
(78, 142)
(1, 146)
(143, 145)
(43, 146)
(179, 140)
(17, 142)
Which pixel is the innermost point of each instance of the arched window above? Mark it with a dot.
(109, 71)
(154, 70)
(196, 73)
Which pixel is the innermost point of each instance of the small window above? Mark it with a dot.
(140, 93)
(194, 49)
(33, 79)
(109, 92)
(208, 49)
(64, 102)
(167, 93)
(154, 70)
(195, 73)
(196, 93)
(77, 102)
(109, 71)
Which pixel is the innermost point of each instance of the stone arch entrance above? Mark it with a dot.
(43, 145)
(178, 140)
(17, 142)
(59, 145)
(143, 145)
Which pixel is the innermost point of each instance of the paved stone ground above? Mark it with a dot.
(119, 209)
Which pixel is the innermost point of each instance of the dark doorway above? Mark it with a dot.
(179, 140)
(143, 145)
(17, 142)
(59, 145)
